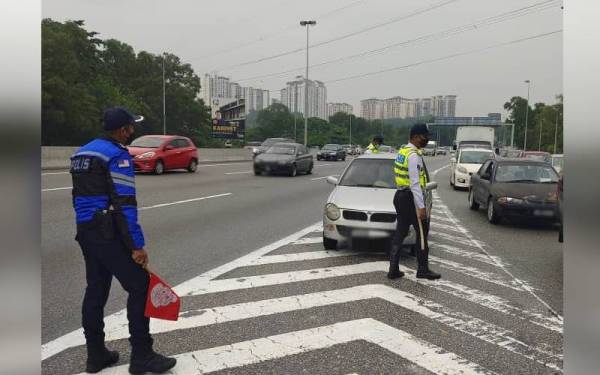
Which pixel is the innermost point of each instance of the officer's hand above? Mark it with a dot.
(140, 256)
(421, 214)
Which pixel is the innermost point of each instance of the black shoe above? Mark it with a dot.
(428, 274)
(395, 275)
(153, 363)
(98, 363)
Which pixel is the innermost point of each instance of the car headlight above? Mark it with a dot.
(146, 155)
(510, 200)
(462, 169)
(255, 150)
(332, 211)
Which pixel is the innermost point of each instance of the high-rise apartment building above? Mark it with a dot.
(292, 96)
(333, 108)
(256, 99)
(399, 107)
(218, 90)
(372, 109)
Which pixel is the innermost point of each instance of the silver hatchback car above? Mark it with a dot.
(361, 206)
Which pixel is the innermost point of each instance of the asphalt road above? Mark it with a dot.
(292, 307)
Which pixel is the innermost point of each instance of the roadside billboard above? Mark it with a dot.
(228, 129)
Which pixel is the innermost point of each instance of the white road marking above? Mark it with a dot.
(308, 240)
(452, 238)
(424, 354)
(461, 322)
(435, 218)
(446, 227)
(324, 177)
(244, 172)
(524, 285)
(52, 173)
(480, 257)
(322, 165)
(309, 255)
(222, 164)
(60, 188)
(183, 201)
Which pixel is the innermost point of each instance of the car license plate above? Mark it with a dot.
(545, 213)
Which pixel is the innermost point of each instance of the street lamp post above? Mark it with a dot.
(307, 24)
(541, 127)
(555, 131)
(164, 97)
(350, 138)
(526, 115)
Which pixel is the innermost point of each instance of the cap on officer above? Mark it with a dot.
(419, 128)
(117, 117)
(378, 137)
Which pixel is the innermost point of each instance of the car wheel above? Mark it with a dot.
(454, 183)
(472, 204)
(492, 215)
(159, 168)
(344, 158)
(256, 172)
(318, 158)
(192, 166)
(293, 171)
(310, 168)
(329, 244)
(451, 181)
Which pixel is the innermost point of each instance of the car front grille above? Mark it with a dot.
(383, 218)
(355, 215)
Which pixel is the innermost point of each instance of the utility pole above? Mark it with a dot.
(350, 140)
(307, 24)
(528, 82)
(555, 131)
(541, 127)
(164, 97)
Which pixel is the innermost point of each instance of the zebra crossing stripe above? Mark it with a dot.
(308, 241)
(421, 353)
(311, 255)
(477, 328)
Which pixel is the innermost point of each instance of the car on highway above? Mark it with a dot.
(559, 206)
(361, 203)
(515, 188)
(331, 151)
(513, 154)
(467, 162)
(159, 153)
(558, 161)
(268, 143)
(286, 158)
(350, 149)
(538, 155)
(443, 150)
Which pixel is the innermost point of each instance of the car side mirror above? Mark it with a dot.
(332, 180)
(454, 147)
(486, 176)
(169, 147)
(431, 186)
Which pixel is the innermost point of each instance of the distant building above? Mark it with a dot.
(372, 109)
(292, 96)
(400, 107)
(217, 91)
(333, 108)
(233, 111)
(256, 99)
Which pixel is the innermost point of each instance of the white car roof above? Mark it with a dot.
(476, 149)
(381, 155)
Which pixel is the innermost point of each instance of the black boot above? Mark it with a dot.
(394, 271)
(145, 360)
(100, 358)
(423, 271)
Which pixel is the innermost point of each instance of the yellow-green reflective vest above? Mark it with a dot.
(374, 149)
(401, 168)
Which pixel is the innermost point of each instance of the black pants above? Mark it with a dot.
(407, 217)
(106, 257)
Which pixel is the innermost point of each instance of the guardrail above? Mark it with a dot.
(57, 157)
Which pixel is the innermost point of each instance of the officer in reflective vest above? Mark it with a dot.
(112, 242)
(373, 147)
(409, 201)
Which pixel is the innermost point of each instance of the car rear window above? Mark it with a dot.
(149, 142)
(524, 173)
(370, 173)
(475, 157)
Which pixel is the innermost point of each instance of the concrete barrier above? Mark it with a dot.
(57, 157)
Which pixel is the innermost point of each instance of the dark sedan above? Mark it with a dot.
(286, 158)
(515, 188)
(268, 143)
(332, 152)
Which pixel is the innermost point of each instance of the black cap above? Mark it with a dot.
(378, 137)
(419, 128)
(117, 117)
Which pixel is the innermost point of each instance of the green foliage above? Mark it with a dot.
(82, 75)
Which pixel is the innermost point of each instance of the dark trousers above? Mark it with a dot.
(407, 217)
(104, 258)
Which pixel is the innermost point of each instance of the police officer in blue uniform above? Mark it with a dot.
(112, 242)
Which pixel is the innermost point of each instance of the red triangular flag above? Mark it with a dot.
(161, 302)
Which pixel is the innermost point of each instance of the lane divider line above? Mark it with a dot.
(60, 188)
(244, 172)
(183, 201)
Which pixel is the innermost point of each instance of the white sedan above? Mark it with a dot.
(362, 203)
(467, 162)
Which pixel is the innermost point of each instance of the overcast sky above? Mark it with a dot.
(215, 35)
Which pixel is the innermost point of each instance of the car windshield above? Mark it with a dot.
(271, 141)
(330, 147)
(513, 154)
(538, 157)
(283, 150)
(370, 173)
(475, 157)
(526, 173)
(148, 142)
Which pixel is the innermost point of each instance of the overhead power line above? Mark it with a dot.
(503, 17)
(447, 57)
(262, 38)
(341, 37)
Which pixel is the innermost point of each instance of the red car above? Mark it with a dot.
(158, 153)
